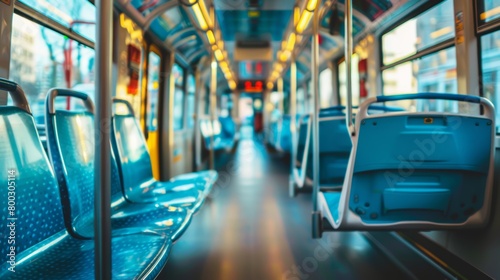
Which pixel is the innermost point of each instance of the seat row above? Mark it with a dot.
(49, 204)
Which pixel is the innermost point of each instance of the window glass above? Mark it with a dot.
(325, 88)
(432, 73)
(488, 10)
(354, 80)
(191, 88)
(153, 87)
(490, 63)
(429, 28)
(38, 59)
(178, 74)
(301, 106)
(178, 108)
(79, 15)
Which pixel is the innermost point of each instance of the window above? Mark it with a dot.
(153, 87)
(434, 72)
(325, 88)
(178, 74)
(425, 30)
(489, 16)
(354, 81)
(301, 106)
(489, 10)
(37, 64)
(191, 88)
(490, 67)
(78, 15)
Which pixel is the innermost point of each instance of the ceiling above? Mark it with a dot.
(255, 21)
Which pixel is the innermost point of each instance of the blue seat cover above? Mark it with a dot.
(135, 167)
(43, 247)
(70, 137)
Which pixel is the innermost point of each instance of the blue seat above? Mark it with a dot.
(228, 126)
(284, 135)
(135, 168)
(334, 145)
(214, 129)
(70, 136)
(44, 249)
(424, 170)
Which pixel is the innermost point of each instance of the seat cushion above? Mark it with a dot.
(137, 256)
(160, 217)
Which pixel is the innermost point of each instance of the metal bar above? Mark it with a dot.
(293, 125)
(33, 15)
(347, 54)
(102, 167)
(315, 113)
(197, 110)
(213, 106)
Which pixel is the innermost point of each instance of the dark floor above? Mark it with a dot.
(252, 229)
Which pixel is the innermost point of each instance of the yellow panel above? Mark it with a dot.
(153, 151)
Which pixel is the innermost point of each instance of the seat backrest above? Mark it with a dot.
(433, 167)
(71, 138)
(228, 127)
(131, 151)
(30, 196)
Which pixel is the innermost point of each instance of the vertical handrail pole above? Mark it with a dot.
(196, 118)
(293, 125)
(213, 107)
(315, 121)
(102, 167)
(347, 53)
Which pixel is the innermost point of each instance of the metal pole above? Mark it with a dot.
(293, 125)
(196, 118)
(213, 106)
(102, 168)
(347, 54)
(315, 123)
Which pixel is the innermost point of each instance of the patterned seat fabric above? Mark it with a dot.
(136, 171)
(40, 246)
(71, 144)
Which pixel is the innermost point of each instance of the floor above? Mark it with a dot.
(252, 229)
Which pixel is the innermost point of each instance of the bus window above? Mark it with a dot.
(325, 88)
(79, 15)
(488, 10)
(429, 28)
(178, 73)
(354, 81)
(191, 88)
(153, 87)
(433, 72)
(490, 67)
(38, 58)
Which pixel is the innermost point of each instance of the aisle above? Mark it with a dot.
(253, 230)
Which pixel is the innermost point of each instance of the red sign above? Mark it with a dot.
(253, 86)
(134, 64)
